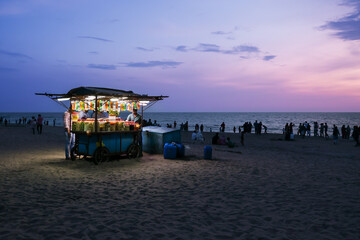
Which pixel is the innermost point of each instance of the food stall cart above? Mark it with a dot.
(99, 132)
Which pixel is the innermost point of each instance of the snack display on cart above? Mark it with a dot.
(105, 125)
(112, 123)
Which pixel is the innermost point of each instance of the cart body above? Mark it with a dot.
(117, 143)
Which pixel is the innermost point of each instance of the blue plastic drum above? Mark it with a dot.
(208, 152)
(170, 151)
(180, 150)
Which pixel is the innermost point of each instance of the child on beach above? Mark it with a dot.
(230, 143)
(197, 136)
(33, 124)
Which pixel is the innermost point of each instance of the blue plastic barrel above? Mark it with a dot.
(170, 151)
(208, 152)
(180, 150)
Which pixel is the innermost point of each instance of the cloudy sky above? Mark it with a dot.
(207, 55)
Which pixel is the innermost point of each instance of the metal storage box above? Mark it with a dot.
(154, 138)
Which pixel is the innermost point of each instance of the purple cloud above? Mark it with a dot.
(164, 64)
(15, 54)
(242, 49)
(145, 49)
(102, 66)
(96, 38)
(348, 27)
(269, 57)
(181, 48)
(205, 47)
(221, 33)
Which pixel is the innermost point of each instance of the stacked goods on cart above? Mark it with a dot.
(104, 125)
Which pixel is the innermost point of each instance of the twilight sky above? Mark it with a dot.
(207, 55)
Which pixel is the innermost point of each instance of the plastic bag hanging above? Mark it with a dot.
(77, 106)
(105, 105)
(123, 106)
(87, 105)
(100, 105)
(129, 107)
(82, 105)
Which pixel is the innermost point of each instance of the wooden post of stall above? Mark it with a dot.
(96, 116)
(70, 118)
(141, 129)
(142, 116)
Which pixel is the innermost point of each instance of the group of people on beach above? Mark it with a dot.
(34, 123)
(248, 126)
(220, 140)
(304, 129)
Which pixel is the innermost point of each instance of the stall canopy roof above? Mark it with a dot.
(81, 92)
(86, 91)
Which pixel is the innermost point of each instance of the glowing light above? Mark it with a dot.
(90, 98)
(63, 99)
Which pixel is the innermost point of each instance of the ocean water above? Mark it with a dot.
(212, 120)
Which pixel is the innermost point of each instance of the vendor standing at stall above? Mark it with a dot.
(69, 136)
(134, 116)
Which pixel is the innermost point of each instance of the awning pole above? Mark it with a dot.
(96, 116)
(142, 116)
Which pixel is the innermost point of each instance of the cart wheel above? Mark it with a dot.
(101, 154)
(133, 151)
(73, 153)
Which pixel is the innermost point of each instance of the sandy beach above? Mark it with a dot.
(268, 189)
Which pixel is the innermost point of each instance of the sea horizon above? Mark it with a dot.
(274, 121)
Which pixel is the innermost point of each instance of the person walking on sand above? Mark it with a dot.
(39, 124)
(343, 132)
(222, 127)
(69, 136)
(335, 134)
(322, 127)
(308, 130)
(316, 129)
(326, 129)
(348, 130)
(265, 129)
